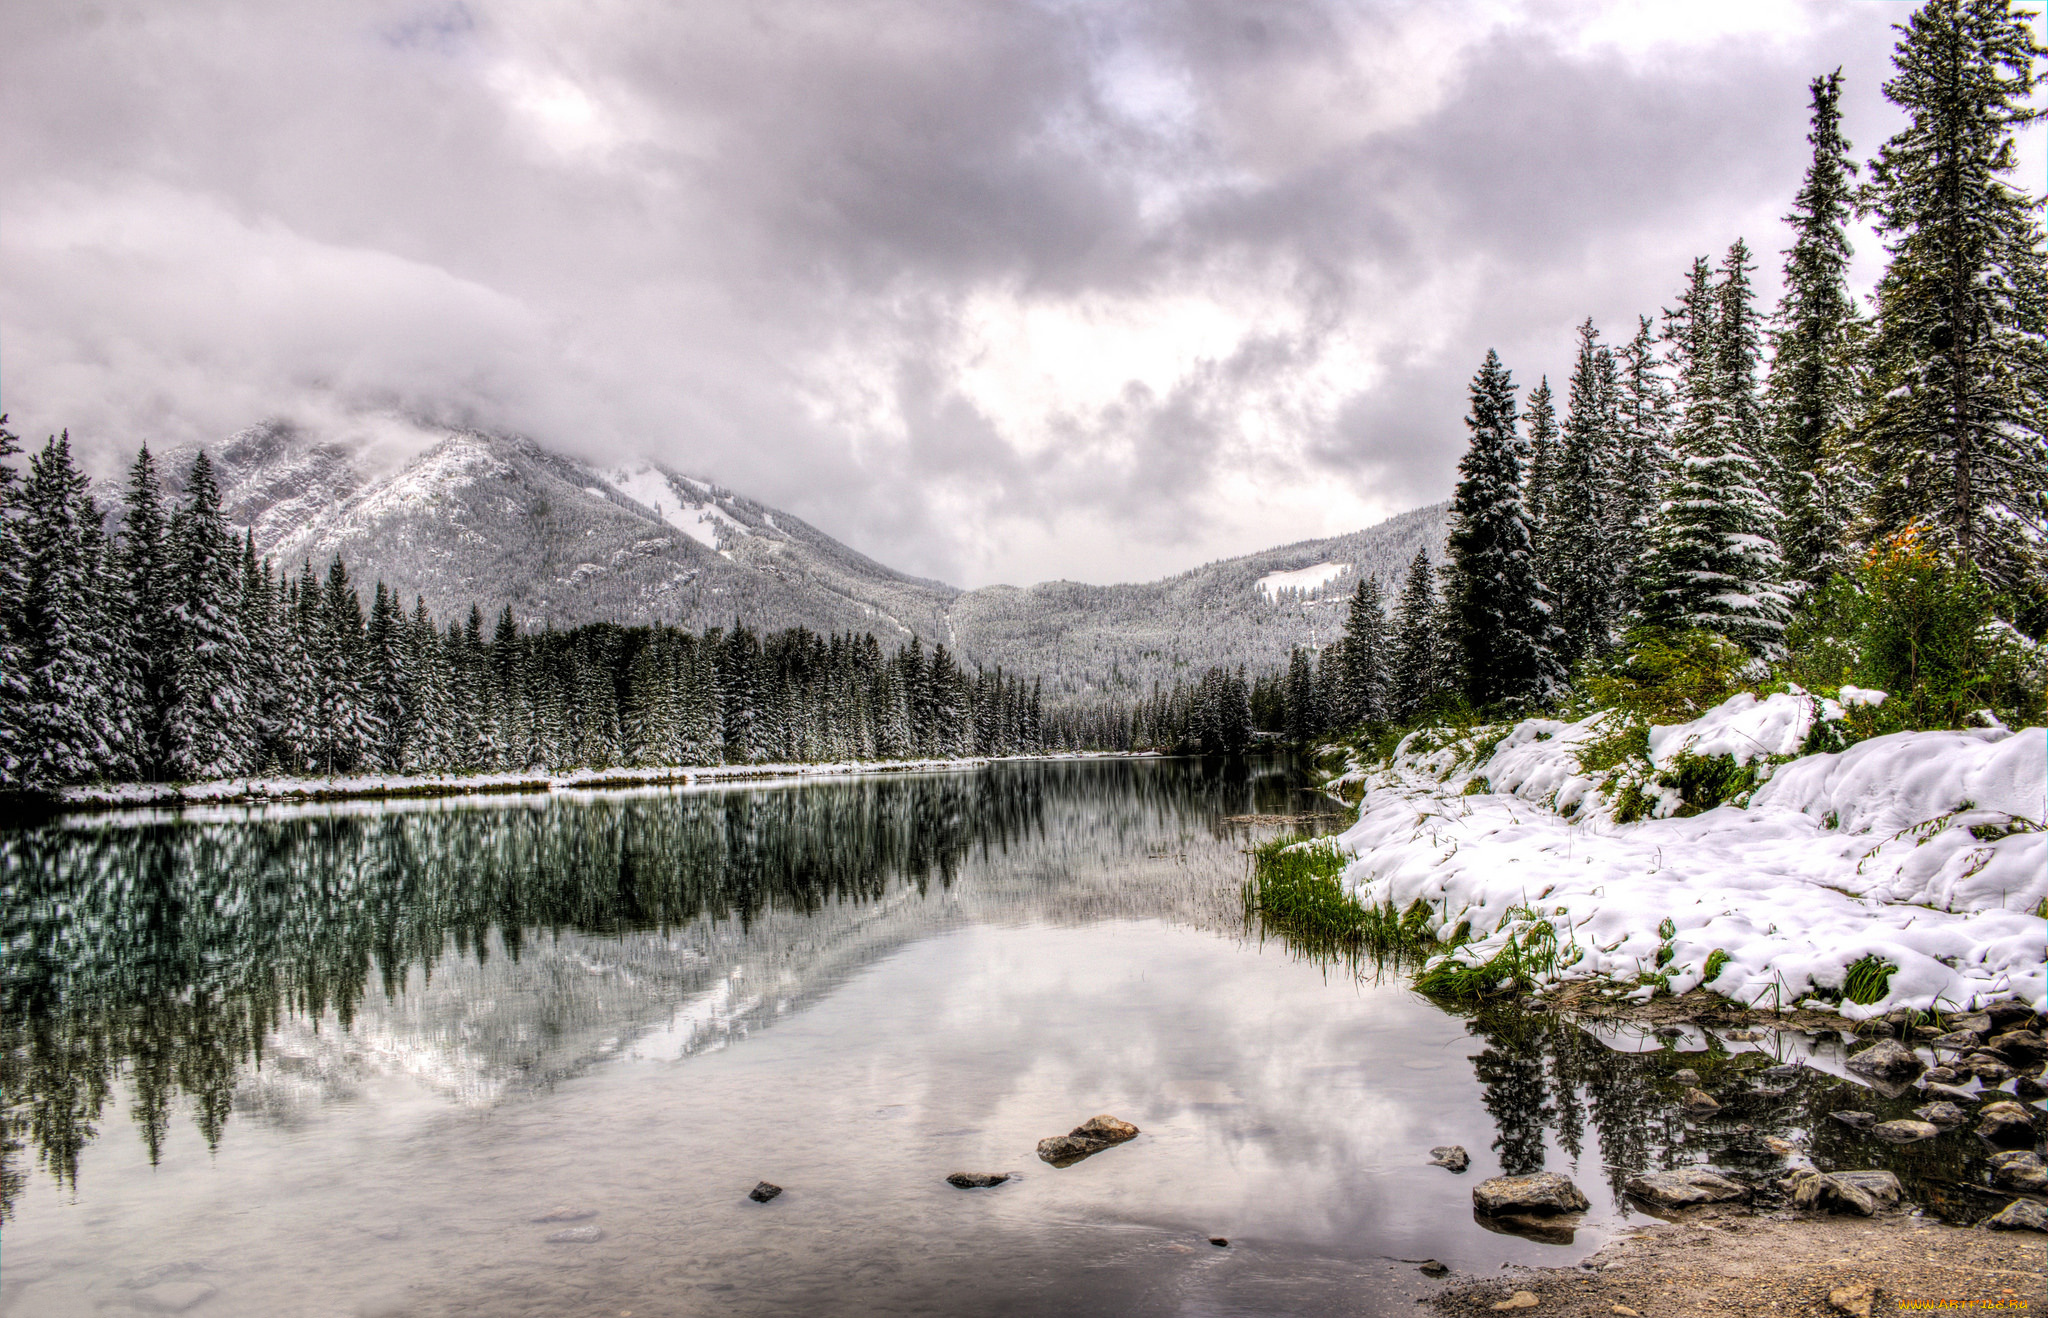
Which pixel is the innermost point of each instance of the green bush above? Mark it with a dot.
(1665, 676)
(1705, 781)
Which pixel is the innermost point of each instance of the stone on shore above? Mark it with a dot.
(1452, 1156)
(2019, 1169)
(1957, 1041)
(2018, 1046)
(1821, 1192)
(1852, 1300)
(2007, 1124)
(1685, 1187)
(1085, 1140)
(1991, 1070)
(1887, 1059)
(1879, 1185)
(1519, 1300)
(2020, 1215)
(1544, 1192)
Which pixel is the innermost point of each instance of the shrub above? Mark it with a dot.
(1705, 781)
(1665, 676)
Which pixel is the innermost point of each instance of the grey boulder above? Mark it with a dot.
(2019, 1169)
(1905, 1132)
(1941, 1114)
(1085, 1140)
(1452, 1156)
(1861, 1193)
(1684, 1188)
(763, 1191)
(2007, 1124)
(1543, 1193)
(2020, 1215)
(976, 1180)
(1887, 1059)
(2018, 1046)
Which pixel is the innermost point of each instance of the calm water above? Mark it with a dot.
(337, 1061)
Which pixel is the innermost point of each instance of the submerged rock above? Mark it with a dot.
(1941, 1114)
(575, 1235)
(1699, 1100)
(976, 1180)
(1905, 1132)
(1854, 1119)
(2007, 1125)
(1452, 1156)
(1991, 1070)
(1090, 1137)
(2019, 1169)
(763, 1191)
(2020, 1215)
(1544, 1192)
(1220, 1242)
(1887, 1059)
(1685, 1187)
(2018, 1046)
(1950, 1093)
(1957, 1041)
(567, 1215)
(1686, 1076)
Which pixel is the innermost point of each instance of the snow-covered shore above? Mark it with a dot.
(345, 787)
(1922, 850)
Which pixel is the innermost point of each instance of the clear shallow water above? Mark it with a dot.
(337, 1061)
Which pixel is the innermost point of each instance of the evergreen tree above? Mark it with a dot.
(1813, 380)
(15, 733)
(208, 731)
(1504, 633)
(1581, 558)
(1714, 561)
(62, 741)
(1415, 675)
(1364, 650)
(1642, 465)
(1541, 484)
(1958, 432)
(150, 627)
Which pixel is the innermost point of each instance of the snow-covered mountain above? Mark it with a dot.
(497, 520)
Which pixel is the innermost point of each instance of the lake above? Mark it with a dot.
(528, 1055)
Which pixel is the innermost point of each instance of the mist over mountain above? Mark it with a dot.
(471, 517)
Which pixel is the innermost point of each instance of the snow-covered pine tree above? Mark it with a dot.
(263, 663)
(1957, 437)
(1413, 675)
(388, 684)
(114, 702)
(430, 747)
(1643, 463)
(1540, 481)
(61, 742)
(13, 659)
(1581, 558)
(1714, 559)
(150, 628)
(1365, 655)
(209, 731)
(345, 720)
(1812, 386)
(1504, 633)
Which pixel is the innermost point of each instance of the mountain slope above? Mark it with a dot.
(497, 520)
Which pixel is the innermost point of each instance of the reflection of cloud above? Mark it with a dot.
(1002, 292)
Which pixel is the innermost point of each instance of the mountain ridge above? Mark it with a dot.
(497, 520)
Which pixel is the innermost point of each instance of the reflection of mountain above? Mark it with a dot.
(491, 948)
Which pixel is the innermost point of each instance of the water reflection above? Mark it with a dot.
(165, 950)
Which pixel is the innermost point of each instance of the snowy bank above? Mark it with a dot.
(344, 787)
(1921, 850)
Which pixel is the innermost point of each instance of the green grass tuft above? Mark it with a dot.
(1868, 980)
(1295, 889)
(1717, 961)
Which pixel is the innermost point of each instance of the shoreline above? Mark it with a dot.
(260, 789)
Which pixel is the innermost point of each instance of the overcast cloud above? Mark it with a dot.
(999, 291)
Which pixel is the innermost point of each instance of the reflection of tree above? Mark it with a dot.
(167, 951)
(1511, 1071)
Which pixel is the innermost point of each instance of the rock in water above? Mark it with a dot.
(764, 1191)
(1220, 1242)
(2018, 1046)
(2008, 1014)
(1942, 1114)
(2020, 1215)
(1820, 1192)
(1991, 1070)
(1432, 1268)
(2029, 1088)
(567, 1215)
(1699, 1100)
(2008, 1125)
(1684, 1188)
(1090, 1137)
(1888, 1059)
(976, 1180)
(1879, 1185)
(1452, 1156)
(1957, 1041)
(1686, 1076)
(576, 1235)
(1855, 1120)
(1544, 1192)
(2019, 1169)
(1905, 1132)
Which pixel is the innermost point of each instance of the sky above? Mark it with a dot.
(992, 292)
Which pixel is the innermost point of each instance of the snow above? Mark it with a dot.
(1925, 849)
(1301, 579)
(646, 485)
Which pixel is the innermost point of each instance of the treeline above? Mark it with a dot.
(1830, 494)
(169, 651)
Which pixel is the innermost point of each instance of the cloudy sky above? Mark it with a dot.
(994, 292)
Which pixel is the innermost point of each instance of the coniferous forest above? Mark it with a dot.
(1819, 493)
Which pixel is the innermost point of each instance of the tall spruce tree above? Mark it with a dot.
(1540, 481)
(151, 625)
(1642, 465)
(1362, 692)
(1580, 558)
(1812, 389)
(208, 733)
(1957, 437)
(62, 741)
(14, 731)
(1504, 633)
(1414, 677)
